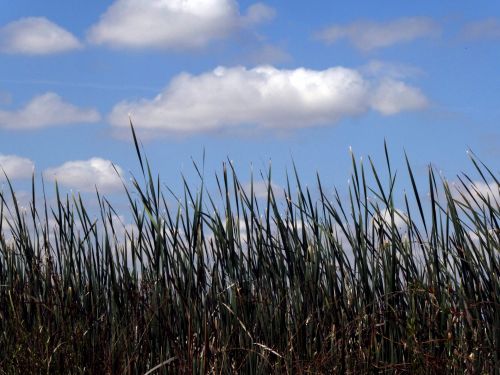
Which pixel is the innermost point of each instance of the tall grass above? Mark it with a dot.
(311, 283)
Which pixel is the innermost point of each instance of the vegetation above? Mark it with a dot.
(242, 285)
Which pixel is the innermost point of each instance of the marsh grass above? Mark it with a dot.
(225, 284)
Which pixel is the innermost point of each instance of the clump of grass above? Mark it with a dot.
(239, 285)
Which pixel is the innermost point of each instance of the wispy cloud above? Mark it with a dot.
(266, 54)
(36, 36)
(368, 35)
(488, 28)
(86, 175)
(15, 167)
(261, 189)
(392, 96)
(167, 24)
(77, 84)
(46, 110)
(265, 97)
(257, 13)
(388, 69)
(5, 98)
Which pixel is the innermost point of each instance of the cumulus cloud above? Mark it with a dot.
(86, 175)
(367, 35)
(265, 97)
(45, 110)
(172, 23)
(391, 97)
(384, 219)
(36, 36)
(477, 192)
(478, 195)
(15, 167)
(9, 216)
(488, 28)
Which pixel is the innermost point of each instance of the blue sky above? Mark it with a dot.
(248, 81)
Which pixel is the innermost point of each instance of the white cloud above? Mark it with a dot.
(172, 23)
(383, 218)
(366, 35)
(85, 175)
(387, 69)
(260, 189)
(239, 227)
(45, 110)
(393, 96)
(488, 28)
(36, 36)
(15, 167)
(122, 229)
(265, 97)
(477, 191)
(258, 13)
